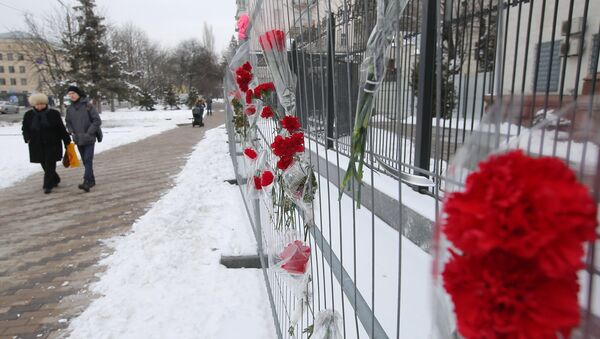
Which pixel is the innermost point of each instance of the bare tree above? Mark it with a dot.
(44, 51)
(208, 38)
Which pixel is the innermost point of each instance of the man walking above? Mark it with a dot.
(209, 106)
(83, 122)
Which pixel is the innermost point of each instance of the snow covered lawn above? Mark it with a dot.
(164, 279)
(120, 128)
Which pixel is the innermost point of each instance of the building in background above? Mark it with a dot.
(18, 77)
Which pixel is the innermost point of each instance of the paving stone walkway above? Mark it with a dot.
(50, 244)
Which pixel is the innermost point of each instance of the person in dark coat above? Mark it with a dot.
(209, 106)
(83, 122)
(43, 130)
(198, 112)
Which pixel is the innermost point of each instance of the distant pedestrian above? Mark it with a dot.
(209, 106)
(198, 113)
(83, 122)
(43, 130)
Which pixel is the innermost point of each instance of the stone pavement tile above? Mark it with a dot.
(49, 254)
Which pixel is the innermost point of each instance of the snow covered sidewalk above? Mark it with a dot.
(120, 128)
(164, 279)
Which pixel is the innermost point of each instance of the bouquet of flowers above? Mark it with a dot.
(372, 73)
(327, 325)
(273, 46)
(512, 240)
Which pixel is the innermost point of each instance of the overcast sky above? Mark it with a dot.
(165, 21)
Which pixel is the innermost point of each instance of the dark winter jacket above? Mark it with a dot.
(44, 131)
(83, 122)
(198, 110)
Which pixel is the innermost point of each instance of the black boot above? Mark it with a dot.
(47, 190)
(92, 183)
(56, 181)
(85, 186)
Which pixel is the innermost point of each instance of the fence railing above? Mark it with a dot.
(451, 62)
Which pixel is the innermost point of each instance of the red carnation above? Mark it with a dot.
(263, 89)
(249, 96)
(288, 146)
(250, 153)
(284, 162)
(520, 226)
(499, 295)
(266, 179)
(250, 110)
(247, 67)
(274, 39)
(534, 208)
(257, 184)
(267, 112)
(243, 76)
(295, 257)
(290, 123)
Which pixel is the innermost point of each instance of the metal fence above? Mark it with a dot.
(451, 62)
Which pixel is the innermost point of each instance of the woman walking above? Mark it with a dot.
(43, 130)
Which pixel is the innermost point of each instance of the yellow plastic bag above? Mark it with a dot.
(70, 158)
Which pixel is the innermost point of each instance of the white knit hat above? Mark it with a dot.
(38, 98)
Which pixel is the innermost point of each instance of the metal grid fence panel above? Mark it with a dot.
(531, 58)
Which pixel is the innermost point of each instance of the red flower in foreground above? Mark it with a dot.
(295, 257)
(266, 179)
(257, 183)
(533, 208)
(250, 153)
(290, 123)
(263, 89)
(288, 146)
(249, 96)
(271, 40)
(266, 112)
(250, 110)
(284, 162)
(499, 295)
(247, 66)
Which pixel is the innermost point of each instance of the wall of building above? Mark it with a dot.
(16, 74)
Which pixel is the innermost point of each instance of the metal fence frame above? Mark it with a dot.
(325, 54)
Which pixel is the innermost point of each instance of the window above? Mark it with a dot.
(1, 69)
(21, 57)
(13, 82)
(2, 81)
(23, 82)
(548, 74)
(1, 56)
(21, 69)
(9, 56)
(11, 69)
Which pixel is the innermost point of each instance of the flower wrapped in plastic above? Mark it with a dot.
(259, 183)
(327, 325)
(511, 242)
(372, 73)
(241, 71)
(273, 43)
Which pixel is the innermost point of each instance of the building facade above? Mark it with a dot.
(18, 77)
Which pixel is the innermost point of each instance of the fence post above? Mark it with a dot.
(330, 81)
(426, 85)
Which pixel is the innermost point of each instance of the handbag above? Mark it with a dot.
(65, 159)
(70, 159)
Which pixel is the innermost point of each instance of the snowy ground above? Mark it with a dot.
(121, 127)
(164, 279)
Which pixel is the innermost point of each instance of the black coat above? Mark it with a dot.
(44, 136)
